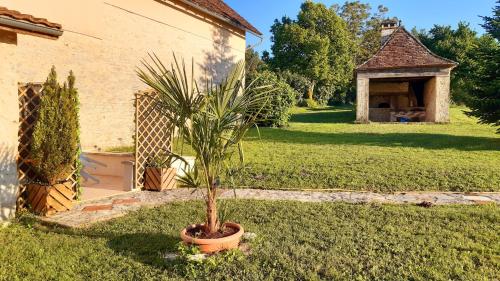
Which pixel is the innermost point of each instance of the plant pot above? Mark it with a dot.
(208, 246)
(47, 200)
(158, 179)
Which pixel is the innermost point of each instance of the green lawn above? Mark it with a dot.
(323, 148)
(296, 241)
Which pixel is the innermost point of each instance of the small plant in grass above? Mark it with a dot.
(213, 121)
(54, 148)
(309, 103)
(193, 264)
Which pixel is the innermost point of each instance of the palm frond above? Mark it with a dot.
(213, 121)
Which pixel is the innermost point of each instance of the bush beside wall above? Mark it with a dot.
(55, 145)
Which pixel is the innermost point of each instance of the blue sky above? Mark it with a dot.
(419, 13)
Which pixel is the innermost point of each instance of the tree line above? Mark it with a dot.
(313, 57)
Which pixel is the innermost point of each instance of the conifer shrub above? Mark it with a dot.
(55, 142)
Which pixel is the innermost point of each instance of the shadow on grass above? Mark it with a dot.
(147, 248)
(415, 140)
(325, 115)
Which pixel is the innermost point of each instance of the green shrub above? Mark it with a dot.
(309, 103)
(298, 82)
(55, 143)
(302, 103)
(276, 113)
(323, 93)
(339, 98)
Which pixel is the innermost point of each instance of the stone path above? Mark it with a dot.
(89, 212)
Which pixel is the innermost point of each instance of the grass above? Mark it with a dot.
(121, 149)
(323, 148)
(296, 241)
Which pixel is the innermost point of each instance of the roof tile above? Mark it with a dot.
(29, 18)
(220, 8)
(403, 50)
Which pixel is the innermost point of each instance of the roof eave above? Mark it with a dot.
(451, 65)
(29, 28)
(229, 21)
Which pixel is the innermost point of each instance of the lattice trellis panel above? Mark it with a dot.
(29, 102)
(152, 136)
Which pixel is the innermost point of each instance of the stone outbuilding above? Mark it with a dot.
(404, 81)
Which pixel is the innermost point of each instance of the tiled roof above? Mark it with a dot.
(28, 18)
(215, 6)
(403, 50)
(222, 9)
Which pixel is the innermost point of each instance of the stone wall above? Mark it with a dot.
(8, 179)
(377, 87)
(362, 100)
(103, 43)
(105, 51)
(9, 116)
(380, 114)
(430, 95)
(443, 99)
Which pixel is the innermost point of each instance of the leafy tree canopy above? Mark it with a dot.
(253, 62)
(317, 45)
(364, 26)
(460, 45)
(476, 80)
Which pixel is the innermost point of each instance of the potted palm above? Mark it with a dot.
(159, 175)
(213, 121)
(54, 148)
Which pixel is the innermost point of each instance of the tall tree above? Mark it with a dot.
(492, 24)
(459, 45)
(300, 50)
(485, 97)
(355, 14)
(253, 64)
(363, 25)
(317, 45)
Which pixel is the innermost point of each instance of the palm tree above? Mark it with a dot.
(213, 121)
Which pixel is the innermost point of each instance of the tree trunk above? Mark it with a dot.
(212, 223)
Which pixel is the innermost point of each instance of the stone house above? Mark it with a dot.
(403, 82)
(103, 42)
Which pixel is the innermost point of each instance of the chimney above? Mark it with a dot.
(388, 27)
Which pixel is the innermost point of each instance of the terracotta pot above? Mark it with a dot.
(158, 179)
(208, 246)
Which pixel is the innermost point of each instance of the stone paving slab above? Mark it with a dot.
(89, 212)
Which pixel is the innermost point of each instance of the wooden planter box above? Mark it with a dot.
(158, 179)
(47, 200)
